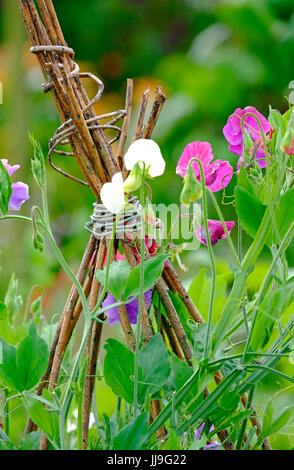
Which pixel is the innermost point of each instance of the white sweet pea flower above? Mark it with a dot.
(147, 151)
(112, 194)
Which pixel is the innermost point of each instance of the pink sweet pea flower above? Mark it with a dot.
(118, 257)
(217, 174)
(20, 191)
(216, 231)
(234, 135)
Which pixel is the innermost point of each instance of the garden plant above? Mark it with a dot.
(181, 382)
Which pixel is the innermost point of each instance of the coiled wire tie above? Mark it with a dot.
(102, 220)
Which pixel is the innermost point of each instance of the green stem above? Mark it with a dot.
(211, 255)
(244, 423)
(240, 254)
(58, 255)
(230, 242)
(88, 320)
(231, 309)
(265, 287)
(80, 425)
(141, 294)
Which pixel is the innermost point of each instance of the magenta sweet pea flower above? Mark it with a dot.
(20, 191)
(217, 174)
(234, 135)
(216, 231)
(132, 308)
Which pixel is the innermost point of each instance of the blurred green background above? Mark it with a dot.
(210, 57)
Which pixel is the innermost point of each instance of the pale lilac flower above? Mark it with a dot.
(234, 135)
(20, 191)
(215, 445)
(217, 173)
(132, 308)
(216, 231)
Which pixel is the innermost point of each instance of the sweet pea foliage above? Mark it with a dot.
(222, 338)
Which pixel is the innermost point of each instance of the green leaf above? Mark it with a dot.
(199, 337)
(12, 334)
(3, 311)
(250, 210)
(278, 423)
(208, 404)
(198, 444)
(281, 420)
(225, 407)
(111, 428)
(182, 312)
(244, 181)
(5, 189)
(5, 442)
(118, 274)
(32, 358)
(8, 366)
(173, 442)
(237, 417)
(270, 310)
(154, 360)
(6, 445)
(119, 368)
(278, 121)
(180, 373)
(284, 212)
(230, 400)
(45, 420)
(152, 271)
(133, 436)
(30, 441)
(267, 417)
(23, 367)
(200, 290)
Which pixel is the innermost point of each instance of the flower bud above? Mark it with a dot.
(247, 146)
(192, 190)
(134, 180)
(287, 144)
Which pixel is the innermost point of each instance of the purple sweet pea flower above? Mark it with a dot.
(20, 191)
(234, 135)
(217, 174)
(215, 445)
(132, 308)
(216, 231)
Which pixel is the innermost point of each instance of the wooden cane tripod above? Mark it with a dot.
(85, 132)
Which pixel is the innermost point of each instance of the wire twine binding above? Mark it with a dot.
(102, 220)
(67, 129)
